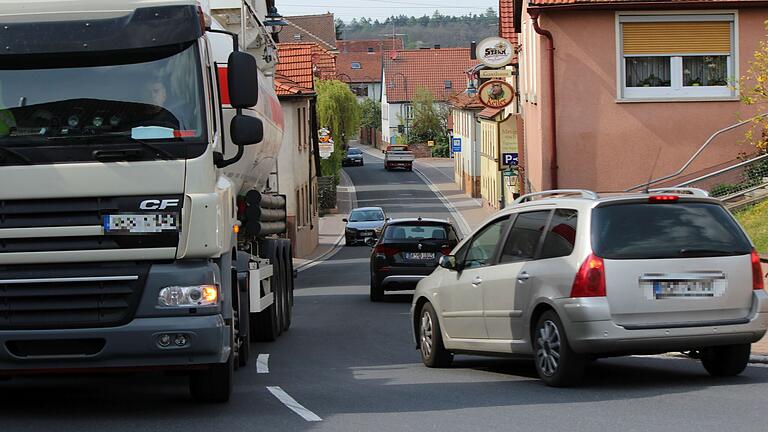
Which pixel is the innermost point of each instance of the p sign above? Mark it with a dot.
(456, 145)
(509, 159)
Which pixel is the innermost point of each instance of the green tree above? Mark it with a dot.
(370, 114)
(754, 92)
(337, 110)
(429, 122)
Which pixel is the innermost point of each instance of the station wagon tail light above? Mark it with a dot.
(590, 280)
(663, 198)
(757, 272)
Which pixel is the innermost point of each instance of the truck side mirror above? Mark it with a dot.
(242, 79)
(246, 130)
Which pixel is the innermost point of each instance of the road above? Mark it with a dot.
(353, 364)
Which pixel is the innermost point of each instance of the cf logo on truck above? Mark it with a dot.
(158, 204)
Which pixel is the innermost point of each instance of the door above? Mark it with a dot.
(504, 289)
(461, 296)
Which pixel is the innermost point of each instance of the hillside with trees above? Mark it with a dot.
(426, 31)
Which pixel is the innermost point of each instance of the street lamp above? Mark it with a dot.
(274, 22)
(408, 101)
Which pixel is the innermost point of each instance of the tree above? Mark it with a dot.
(339, 25)
(370, 114)
(429, 122)
(754, 92)
(337, 110)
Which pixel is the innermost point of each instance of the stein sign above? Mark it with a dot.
(495, 52)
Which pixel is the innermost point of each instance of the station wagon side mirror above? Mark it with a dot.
(448, 262)
(370, 241)
(344, 220)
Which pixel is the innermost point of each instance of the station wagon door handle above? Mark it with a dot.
(524, 276)
(477, 282)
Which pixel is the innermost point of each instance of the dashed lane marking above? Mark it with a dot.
(291, 403)
(262, 364)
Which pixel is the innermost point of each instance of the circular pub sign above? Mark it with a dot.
(496, 94)
(495, 52)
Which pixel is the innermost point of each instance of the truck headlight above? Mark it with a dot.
(188, 296)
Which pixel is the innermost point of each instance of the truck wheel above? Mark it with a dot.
(243, 321)
(213, 385)
(268, 320)
(728, 360)
(288, 302)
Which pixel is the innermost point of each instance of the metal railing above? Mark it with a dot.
(730, 183)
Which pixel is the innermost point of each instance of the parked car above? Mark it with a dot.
(407, 252)
(567, 278)
(363, 223)
(353, 156)
(398, 156)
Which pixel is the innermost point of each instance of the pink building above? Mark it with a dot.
(630, 81)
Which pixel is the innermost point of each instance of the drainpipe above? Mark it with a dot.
(551, 54)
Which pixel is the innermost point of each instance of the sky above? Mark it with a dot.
(348, 9)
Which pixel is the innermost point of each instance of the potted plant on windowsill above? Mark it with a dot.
(696, 82)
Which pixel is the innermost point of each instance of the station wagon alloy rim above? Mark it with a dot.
(426, 334)
(548, 352)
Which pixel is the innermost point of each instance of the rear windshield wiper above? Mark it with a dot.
(709, 252)
(14, 153)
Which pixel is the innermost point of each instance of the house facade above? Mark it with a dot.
(465, 110)
(631, 89)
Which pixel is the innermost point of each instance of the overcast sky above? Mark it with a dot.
(348, 9)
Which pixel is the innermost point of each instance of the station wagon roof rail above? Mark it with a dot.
(557, 192)
(681, 190)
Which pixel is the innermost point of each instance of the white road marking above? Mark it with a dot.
(262, 364)
(291, 403)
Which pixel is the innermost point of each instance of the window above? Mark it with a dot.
(448, 84)
(483, 248)
(370, 49)
(416, 232)
(561, 234)
(523, 239)
(356, 65)
(676, 56)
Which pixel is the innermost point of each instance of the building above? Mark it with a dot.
(632, 89)
(362, 71)
(298, 164)
(441, 71)
(466, 128)
(319, 29)
(369, 45)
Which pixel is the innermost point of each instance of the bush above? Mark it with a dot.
(723, 189)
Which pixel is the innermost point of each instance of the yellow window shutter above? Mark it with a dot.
(704, 37)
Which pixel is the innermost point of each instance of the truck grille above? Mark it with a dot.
(69, 296)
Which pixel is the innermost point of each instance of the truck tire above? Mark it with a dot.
(213, 385)
(288, 291)
(268, 322)
(280, 296)
(243, 320)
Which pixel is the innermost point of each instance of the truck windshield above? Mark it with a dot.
(152, 95)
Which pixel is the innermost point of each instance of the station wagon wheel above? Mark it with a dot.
(556, 363)
(433, 352)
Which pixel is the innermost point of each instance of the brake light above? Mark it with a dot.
(384, 251)
(757, 272)
(662, 198)
(590, 280)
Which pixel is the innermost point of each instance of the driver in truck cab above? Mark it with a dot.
(156, 95)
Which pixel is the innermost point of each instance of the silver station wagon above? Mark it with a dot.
(568, 276)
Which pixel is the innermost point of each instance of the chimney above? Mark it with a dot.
(437, 46)
(473, 51)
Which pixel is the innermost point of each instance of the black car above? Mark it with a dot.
(353, 156)
(407, 251)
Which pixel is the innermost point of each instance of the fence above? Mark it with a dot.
(326, 191)
(736, 184)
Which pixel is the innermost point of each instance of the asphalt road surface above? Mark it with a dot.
(350, 365)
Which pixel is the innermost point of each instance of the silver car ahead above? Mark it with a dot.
(567, 278)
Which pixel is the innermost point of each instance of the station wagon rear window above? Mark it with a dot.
(672, 230)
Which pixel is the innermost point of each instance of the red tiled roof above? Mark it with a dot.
(294, 71)
(310, 28)
(507, 20)
(370, 66)
(466, 101)
(428, 68)
(363, 45)
(489, 113)
(324, 62)
(604, 3)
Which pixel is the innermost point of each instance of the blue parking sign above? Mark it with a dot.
(509, 159)
(456, 145)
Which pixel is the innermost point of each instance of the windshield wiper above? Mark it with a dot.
(706, 252)
(111, 155)
(14, 153)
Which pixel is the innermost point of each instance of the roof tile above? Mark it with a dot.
(311, 28)
(365, 45)
(428, 68)
(556, 3)
(369, 70)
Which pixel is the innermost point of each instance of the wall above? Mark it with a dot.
(466, 126)
(608, 145)
(294, 176)
(490, 179)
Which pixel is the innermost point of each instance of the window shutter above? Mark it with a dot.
(649, 38)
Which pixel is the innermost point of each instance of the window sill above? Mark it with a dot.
(681, 99)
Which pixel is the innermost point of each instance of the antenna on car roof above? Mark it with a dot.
(653, 168)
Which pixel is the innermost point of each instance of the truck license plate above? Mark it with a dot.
(141, 223)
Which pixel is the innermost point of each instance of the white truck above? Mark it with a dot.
(398, 156)
(138, 227)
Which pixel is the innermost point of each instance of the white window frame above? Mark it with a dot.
(677, 91)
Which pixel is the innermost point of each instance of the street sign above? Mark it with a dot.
(456, 145)
(509, 159)
(326, 143)
(496, 94)
(495, 73)
(495, 52)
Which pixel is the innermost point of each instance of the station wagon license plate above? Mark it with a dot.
(701, 285)
(674, 289)
(140, 223)
(420, 256)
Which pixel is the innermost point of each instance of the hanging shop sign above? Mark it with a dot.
(495, 73)
(326, 143)
(509, 138)
(496, 94)
(495, 52)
